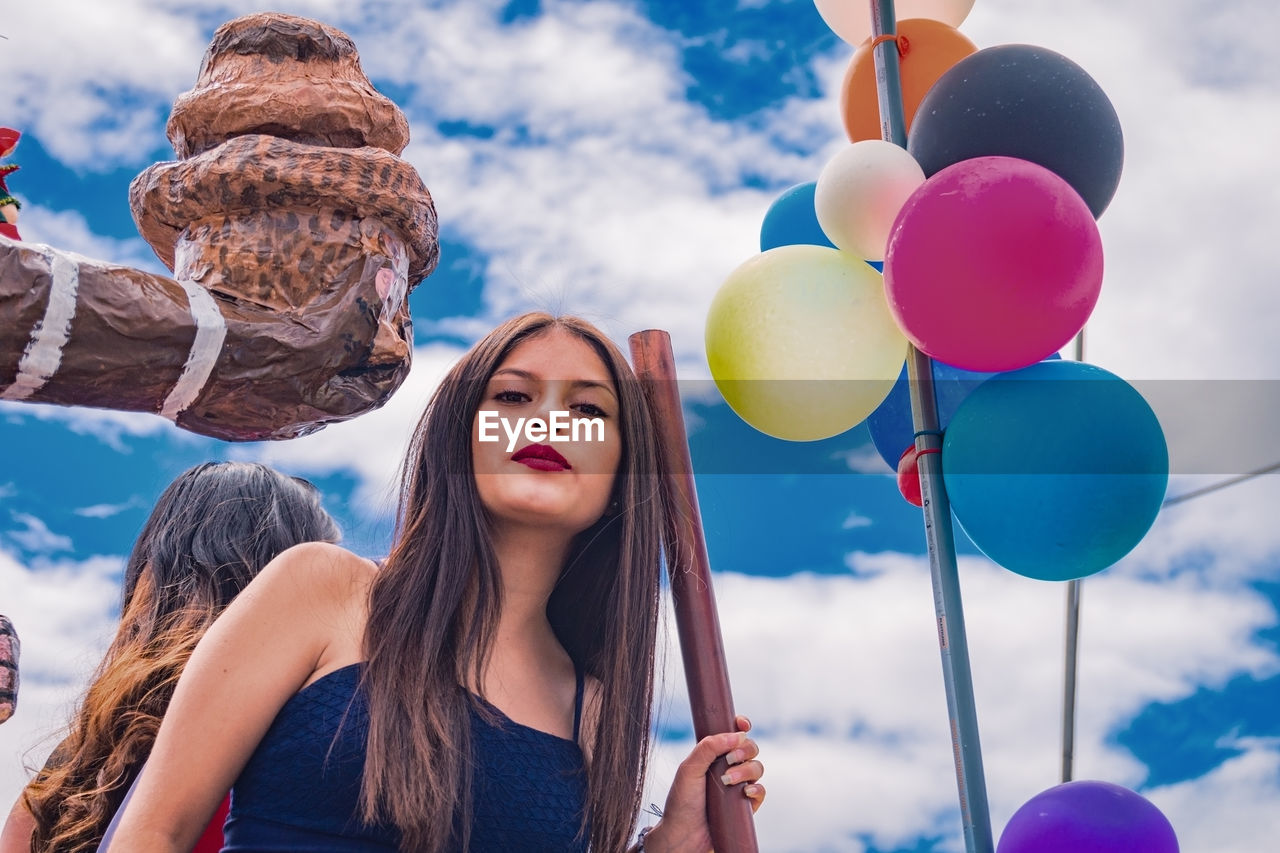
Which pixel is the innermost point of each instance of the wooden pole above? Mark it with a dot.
(728, 809)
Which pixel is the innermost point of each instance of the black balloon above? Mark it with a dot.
(1018, 100)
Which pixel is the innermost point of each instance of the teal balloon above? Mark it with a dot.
(1055, 471)
(792, 221)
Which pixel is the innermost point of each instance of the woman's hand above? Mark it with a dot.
(683, 826)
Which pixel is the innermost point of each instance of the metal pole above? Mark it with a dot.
(1071, 662)
(728, 811)
(1069, 681)
(952, 642)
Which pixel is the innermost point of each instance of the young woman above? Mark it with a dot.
(212, 530)
(489, 687)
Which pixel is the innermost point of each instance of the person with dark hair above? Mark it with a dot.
(489, 687)
(212, 530)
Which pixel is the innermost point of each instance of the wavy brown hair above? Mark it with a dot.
(434, 611)
(212, 530)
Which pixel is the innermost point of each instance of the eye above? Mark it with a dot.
(512, 396)
(591, 410)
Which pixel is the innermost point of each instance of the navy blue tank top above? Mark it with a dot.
(301, 787)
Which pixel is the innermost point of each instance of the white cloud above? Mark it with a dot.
(1224, 536)
(1233, 806)
(95, 81)
(68, 230)
(35, 535)
(139, 52)
(855, 520)
(866, 460)
(64, 613)
(110, 427)
(106, 510)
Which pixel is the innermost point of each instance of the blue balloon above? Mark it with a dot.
(1055, 471)
(891, 427)
(792, 221)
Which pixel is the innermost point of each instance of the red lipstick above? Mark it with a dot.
(541, 457)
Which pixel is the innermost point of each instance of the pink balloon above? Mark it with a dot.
(993, 264)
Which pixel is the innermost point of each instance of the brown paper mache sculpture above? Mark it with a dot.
(294, 233)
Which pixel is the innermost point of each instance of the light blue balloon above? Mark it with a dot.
(1055, 471)
(792, 221)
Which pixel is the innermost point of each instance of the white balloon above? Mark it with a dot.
(851, 19)
(860, 192)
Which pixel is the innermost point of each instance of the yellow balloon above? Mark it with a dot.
(801, 342)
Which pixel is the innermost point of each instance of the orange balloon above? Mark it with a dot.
(931, 47)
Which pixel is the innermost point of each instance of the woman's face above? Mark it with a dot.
(557, 474)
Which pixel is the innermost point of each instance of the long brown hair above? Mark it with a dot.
(211, 532)
(434, 611)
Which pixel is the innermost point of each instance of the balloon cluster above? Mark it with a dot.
(985, 225)
(992, 262)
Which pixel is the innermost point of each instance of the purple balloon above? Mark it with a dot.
(1088, 817)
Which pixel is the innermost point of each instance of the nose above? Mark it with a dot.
(554, 399)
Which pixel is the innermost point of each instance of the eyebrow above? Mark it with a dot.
(576, 383)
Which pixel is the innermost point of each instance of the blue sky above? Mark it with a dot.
(615, 159)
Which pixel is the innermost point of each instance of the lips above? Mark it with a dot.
(541, 457)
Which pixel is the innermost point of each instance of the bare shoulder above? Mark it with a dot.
(316, 593)
(326, 560)
(321, 570)
(321, 585)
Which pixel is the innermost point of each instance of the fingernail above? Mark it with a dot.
(726, 779)
(735, 757)
(751, 790)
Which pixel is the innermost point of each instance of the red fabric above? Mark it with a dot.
(10, 231)
(211, 840)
